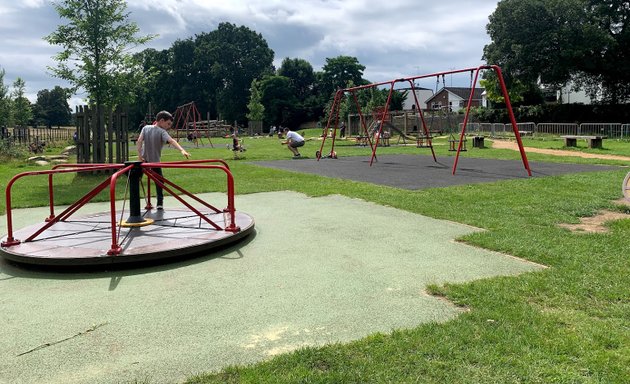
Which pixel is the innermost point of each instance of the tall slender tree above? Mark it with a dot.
(22, 112)
(96, 56)
(5, 101)
(256, 110)
(96, 44)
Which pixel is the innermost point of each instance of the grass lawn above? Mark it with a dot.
(567, 324)
(610, 146)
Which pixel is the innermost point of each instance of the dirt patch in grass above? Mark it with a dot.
(593, 224)
(597, 223)
(504, 144)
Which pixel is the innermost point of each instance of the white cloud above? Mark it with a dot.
(391, 38)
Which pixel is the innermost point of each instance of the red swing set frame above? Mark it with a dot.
(186, 115)
(333, 117)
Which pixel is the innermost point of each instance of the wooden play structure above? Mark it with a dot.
(424, 135)
(188, 124)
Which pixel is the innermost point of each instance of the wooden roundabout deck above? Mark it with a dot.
(86, 240)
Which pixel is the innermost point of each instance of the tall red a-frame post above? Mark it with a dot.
(333, 117)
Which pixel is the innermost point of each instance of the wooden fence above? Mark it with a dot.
(102, 137)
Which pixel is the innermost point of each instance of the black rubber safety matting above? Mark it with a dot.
(420, 171)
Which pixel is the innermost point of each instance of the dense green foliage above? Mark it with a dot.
(558, 42)
(278, 97)
(51, 108)
(216, 70)
(256, 111)
(213, 69)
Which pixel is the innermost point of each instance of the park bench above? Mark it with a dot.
(478, 141)
(593, 141)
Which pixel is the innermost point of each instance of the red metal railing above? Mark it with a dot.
(111, 181)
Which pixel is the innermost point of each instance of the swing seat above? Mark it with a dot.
(424, 141)
(453, 143)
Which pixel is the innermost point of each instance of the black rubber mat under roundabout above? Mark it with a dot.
(420, 171)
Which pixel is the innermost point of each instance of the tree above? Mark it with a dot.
(22, 112)
(255, 107)
(5, 102)
(553, 42)
(158, 66)
(339, 72)
(95, 55)
(302, 78)
(301, 74)
(279, 101)
(226, 61)
(606, 62)
(52, 107)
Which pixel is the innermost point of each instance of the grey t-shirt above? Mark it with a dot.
(153, 138)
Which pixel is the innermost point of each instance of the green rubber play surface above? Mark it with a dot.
(317, 271)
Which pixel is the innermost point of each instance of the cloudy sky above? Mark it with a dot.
(392, 38)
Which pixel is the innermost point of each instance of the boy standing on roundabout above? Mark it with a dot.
(149, 145)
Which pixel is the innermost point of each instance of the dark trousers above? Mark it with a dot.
(159, 193)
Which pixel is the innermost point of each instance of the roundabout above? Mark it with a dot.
(124, 235)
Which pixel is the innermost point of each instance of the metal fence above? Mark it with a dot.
(446, 123)
(610, 130)
(28, 135)
(557, 128)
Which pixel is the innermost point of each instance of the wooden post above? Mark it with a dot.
(109, 123)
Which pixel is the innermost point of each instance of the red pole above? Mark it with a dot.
(10, 239)
(463, 133)
(380, 129)
(115, 248)
(424, 125)
(333, 107)
(334, 134)
(508, 105)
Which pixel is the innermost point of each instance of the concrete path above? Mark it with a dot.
(317, 271)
